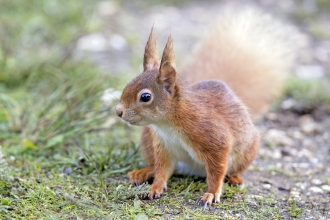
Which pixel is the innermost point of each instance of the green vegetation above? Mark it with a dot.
(308, 91)
(294, 210)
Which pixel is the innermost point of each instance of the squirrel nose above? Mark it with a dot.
(119, 111)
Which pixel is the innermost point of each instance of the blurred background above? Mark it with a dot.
(63, 64)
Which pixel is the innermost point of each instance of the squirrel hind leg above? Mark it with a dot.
(137, 177)
(234, 180)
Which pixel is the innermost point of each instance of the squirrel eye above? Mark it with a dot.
(145, 97)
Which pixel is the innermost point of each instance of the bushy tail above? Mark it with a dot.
(247, 49)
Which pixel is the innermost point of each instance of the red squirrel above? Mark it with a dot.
(204, 129)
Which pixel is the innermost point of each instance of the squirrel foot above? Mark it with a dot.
(137, 177)
(234, 180)
(208, 198)
(155, 191)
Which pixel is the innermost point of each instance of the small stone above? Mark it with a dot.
(322, 54)
(38, 180)
(326, 136)
(277, 137)
(325, 188)
(67, 171)
(92, 43)
(117, 42)
(288, 104)
(314, 160)
(294, 193)
(107, 8)
(307, 143)
(310, 71)
(317, 182)
(271, 116)
(276, 154)
(305, 153)
(302, 186)
(315, 189)
(282, 188)
(297, 135)
(267, 186)
(252, 199)
(308, 125)
(286, 152)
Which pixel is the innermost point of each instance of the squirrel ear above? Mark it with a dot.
(150, 59)
(167, 76)
(168, 54)
(167, 71)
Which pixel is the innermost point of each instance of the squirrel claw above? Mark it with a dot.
(152, 196)
(136, 183)
(202, 203)
(149, 196)
(207, 199)
(143, 196)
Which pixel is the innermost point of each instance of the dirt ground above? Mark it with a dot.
(294, 157)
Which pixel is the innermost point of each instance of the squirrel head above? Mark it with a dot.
(149, 97)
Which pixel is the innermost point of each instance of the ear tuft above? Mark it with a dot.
(150, 59)
(168, 54)
(167, 77)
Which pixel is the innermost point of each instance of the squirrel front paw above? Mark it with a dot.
(155, 191)
(137, 177)
(208, 198)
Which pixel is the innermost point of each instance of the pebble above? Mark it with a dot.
(317, 182)
(326, 136)
(267, 186)
(322, 54)
(67, 171)
(325, 188)
(252, 199)
(277, 137)
(315, 189)
(302, 186)
(117, 42)
(288, 151)
(301, 165)
(92, 43)
(107, 8)
(309, 71)
(308, 125)
(296, 134)
(314, 160)
(271, 153)
(288, 104)
(271, 116)
(305, 153)
(294, 194)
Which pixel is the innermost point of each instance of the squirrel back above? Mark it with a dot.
(249, 51)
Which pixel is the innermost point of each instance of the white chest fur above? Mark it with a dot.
(188, 163)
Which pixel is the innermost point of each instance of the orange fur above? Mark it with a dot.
(201, 129)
